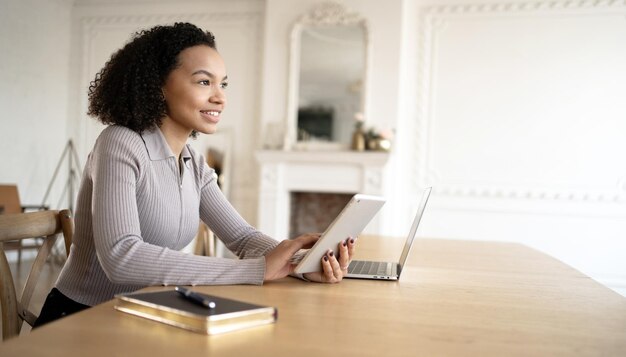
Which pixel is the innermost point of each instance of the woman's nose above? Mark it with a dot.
(218, 97)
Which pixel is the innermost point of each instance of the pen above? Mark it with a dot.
(195, 297)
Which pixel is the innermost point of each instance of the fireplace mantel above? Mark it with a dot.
(375, 158)
(283, 172)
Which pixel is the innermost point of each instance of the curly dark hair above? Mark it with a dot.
(127, 91)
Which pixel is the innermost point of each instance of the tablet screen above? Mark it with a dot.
(349, 223)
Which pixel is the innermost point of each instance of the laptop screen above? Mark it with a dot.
(413, 231)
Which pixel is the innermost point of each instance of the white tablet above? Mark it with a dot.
(349, 223)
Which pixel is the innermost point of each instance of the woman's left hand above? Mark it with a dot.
(335, 268)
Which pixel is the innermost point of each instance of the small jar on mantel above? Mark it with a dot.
(358, 136)
(358, 140)
(378, 144)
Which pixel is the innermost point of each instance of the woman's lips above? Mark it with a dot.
(211, 115)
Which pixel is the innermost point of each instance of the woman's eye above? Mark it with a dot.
(224, 85)
(205, 82)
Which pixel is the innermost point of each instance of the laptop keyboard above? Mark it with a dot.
(370, 268)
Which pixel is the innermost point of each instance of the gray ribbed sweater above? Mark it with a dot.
(137, 207)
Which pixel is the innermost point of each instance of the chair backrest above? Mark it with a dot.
(9, 200)
(46, 224)
(206, 243)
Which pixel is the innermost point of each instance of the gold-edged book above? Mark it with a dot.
(171, 308)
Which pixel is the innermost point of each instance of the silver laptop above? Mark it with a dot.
(363, 269)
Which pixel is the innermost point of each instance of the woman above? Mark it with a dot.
(144, 188)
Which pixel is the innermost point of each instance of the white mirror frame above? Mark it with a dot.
(326, 14)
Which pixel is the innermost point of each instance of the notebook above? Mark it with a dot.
(169, 307)
(363, 269)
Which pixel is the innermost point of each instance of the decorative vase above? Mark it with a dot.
(372, 144)
(358, 140)
(378, 144)
(384, 144)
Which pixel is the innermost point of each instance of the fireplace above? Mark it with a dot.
(289, 178)
(312, 212)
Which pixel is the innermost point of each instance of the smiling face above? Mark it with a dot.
(194, 91)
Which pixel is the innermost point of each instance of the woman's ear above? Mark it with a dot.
(164, 98)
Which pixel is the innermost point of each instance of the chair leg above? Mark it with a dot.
(210, 244)
(200, 247)
(205, 241)
(19, 253)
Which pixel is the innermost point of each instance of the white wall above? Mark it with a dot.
(34, 72)
(510, 109)
(517, 120)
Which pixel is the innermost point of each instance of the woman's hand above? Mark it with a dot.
(278, 260)
(334, 268)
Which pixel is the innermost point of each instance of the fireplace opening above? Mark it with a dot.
(313, 211)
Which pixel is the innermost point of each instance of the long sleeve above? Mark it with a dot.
(136, 210)
(240, 238)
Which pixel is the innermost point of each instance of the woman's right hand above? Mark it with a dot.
(278, 260)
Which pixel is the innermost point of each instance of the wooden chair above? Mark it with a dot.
(205, 240)
(10, 203)
(47, 224)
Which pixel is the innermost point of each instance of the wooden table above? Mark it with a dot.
(456, 298)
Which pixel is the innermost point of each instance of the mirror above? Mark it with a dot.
(328, 60)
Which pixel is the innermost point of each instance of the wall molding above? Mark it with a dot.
(220, 17)
(331, 13)
(523, 7)
(432, 21)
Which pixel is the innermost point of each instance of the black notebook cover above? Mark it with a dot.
(171, 308)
